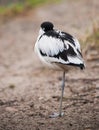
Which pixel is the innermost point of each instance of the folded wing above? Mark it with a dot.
(61, 48)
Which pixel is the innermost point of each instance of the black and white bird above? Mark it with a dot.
(58, 50)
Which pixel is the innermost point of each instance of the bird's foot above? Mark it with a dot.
(54, 115)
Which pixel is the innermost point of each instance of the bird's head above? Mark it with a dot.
(46, 26)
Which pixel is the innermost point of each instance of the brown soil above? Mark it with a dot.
(29, 92)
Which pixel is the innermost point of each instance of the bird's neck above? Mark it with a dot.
(41, 32)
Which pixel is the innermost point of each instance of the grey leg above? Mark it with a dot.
(62, 92)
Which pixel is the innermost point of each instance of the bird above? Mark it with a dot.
(57, 50)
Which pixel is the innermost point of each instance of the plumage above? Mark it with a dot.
(54, 46)
(58, 50)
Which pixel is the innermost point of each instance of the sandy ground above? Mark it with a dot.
(29, 93)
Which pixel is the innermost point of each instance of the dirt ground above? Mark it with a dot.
(29, 93)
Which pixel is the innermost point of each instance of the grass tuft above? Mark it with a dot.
(91, 45)
(94, 37)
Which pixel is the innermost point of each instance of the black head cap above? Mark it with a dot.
(47, 26)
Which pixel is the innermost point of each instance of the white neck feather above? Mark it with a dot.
(41, 32)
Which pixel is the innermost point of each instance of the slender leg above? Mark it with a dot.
(62, 92)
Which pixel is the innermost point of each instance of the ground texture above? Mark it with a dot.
(29, 93)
